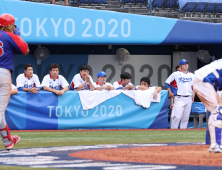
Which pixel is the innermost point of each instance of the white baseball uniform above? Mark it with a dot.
(183, 100)
(118, 85)
(205, 78)
(96, 84)
(23, 82)
(77, 81)
(58, 84)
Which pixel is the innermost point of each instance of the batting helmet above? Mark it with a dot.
(6, 19)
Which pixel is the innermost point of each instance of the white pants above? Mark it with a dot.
(181, 112)
(208, 96)
(5, 92)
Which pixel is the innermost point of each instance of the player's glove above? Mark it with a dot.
(16, 31)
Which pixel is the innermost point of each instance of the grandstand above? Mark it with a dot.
(197, 10)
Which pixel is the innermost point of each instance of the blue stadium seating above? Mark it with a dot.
(93, 1)
(190, 6)
(218, 8)
(128, 1)
(158, 3)
(101, 1)
(210, 7)
(182, 3)
(83, 2)
(140, 1)
(201, 6)
(170, 3)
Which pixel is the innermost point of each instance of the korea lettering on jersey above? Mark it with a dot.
(96, 84)
(9, 45)
(184, 82)
(118, 85)
(57, 84)
(77, 81)
(23, 82)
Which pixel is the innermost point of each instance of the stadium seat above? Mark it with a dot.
(199, 112)
(201, 6)
(210, 7)
(93, 1)
(170, 4)
(101, 1)
(158, 3)
(190, 6)
(85, 2)
(128, 1)
(140, 1)
(218, 8)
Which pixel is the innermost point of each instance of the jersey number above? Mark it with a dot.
(1, 49)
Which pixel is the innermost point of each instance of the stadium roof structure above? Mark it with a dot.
(54, 24)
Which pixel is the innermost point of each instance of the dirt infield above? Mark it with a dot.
(178, 155)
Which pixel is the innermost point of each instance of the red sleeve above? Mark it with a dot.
(174, 84)
(21, 44)
(72, 85)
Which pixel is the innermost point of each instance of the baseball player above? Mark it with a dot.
(145, 85)
(54, 82)
(14, 89)
(184, 97)
(82, 80)
(204, 81)
(124, 84)
(10, 43)
(101, 83)
(28, 81)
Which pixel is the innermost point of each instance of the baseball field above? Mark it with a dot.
(41, 140)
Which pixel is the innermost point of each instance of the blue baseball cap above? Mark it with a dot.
(182, 62)
(101, 74)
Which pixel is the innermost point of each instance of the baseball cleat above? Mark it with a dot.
(216, 149)
(15, 140)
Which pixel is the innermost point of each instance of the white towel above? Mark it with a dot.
(91, 99)
(143, 97)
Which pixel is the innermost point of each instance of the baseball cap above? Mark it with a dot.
(101, 74)
(182, 62)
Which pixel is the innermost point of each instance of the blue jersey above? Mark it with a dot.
(216, 81)
(9, 45)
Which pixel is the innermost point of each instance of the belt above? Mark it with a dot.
(183, 96)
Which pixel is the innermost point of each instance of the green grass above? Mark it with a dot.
(67, 138)
(71, 138)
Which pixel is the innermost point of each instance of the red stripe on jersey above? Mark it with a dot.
(119, 82)
(51, 76)
(72, 85)
(88, 86)
(174, 84)
(19, 42)
(34, 85)
(97, 83)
